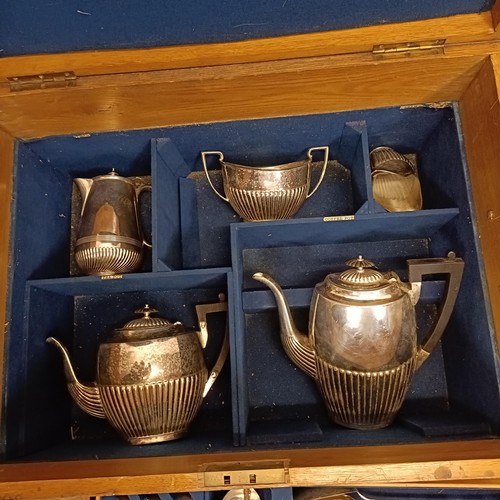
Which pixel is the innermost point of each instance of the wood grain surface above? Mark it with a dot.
(243, 91)
(6, 162)
(480, 114)
(439, 463)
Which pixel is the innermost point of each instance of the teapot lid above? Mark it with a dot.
(361, 274)
(147, 327)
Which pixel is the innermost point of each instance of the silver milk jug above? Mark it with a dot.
(109, 239)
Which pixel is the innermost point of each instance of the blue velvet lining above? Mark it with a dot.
(271, 400)
(28, 27)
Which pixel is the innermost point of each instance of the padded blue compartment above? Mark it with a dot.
(205, 218)
(28, 27)
(458, 387)
(298, 254)
(82, 313)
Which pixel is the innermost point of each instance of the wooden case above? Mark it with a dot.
(446, 69)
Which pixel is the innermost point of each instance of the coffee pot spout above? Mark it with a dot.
(297, 345)
(87, 397)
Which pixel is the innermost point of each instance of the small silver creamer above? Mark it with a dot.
(109, 238)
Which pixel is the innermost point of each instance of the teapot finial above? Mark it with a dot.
(360, 263)
(146, 311)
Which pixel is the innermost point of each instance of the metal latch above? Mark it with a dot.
(262, 472)
(46, 81)
(409, 49)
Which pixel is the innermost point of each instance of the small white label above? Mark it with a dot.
(333, 218)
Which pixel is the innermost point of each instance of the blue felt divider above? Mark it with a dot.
(299, 253)
(167, 166)
(82, 312)
(205, 218)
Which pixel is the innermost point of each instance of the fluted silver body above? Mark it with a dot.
(151, 377)
(117, 258)
(266, 193)
(109, 239)
(271, 193)
(364, 399)
(150, 413)
(362, 343)
(396, 186)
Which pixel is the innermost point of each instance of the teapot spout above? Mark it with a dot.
(87, 397)
(297, 345)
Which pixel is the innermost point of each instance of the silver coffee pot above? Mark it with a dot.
(362, 344)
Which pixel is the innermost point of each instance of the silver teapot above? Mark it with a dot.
(109, 239)
(151, 376)
(362, 344)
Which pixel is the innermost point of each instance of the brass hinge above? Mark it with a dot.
(47, 81)
(409, 49)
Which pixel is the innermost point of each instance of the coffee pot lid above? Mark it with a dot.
(112, 174)
(361, 274)
(148, 327)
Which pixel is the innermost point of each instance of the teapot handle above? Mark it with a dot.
(139, 191)
(326, 151)
(451, 265)
(204, 154)
(201, 311)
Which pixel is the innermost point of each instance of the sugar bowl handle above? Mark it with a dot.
(453, 266)
(202, 310)
(204, 155)
(326, 152)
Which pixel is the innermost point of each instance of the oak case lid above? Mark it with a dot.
(88, 45)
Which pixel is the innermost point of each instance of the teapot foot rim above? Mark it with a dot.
(156, 438)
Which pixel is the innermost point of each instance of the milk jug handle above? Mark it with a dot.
(139, 191)
(452, 266)
(204, 155)
(326, 151)
(202, 310)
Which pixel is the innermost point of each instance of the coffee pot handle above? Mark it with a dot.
(326, 152)
(202, 310)
(139, 191)
(204, 155)
(452, 266)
